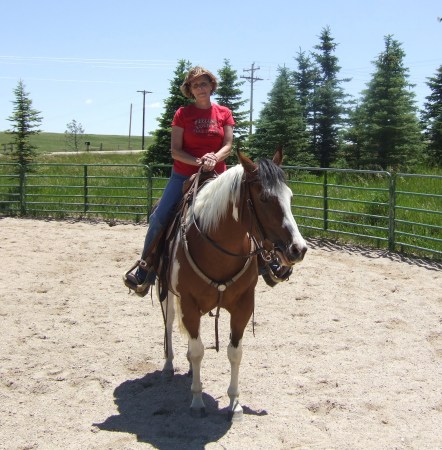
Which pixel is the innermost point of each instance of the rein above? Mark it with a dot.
(206, 237)
(219, 286)
(253, 217)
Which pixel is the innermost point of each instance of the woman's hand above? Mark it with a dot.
(208, 161)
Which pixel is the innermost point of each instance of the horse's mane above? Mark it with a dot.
(214, 199)
(271, 177)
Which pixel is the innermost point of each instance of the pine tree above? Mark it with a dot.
(229, 94)
(391, 135)
(25, 121)
(352, 151)
(305, 80)
(280, 124)
(159, 151)
(432, 118)
(329, 101)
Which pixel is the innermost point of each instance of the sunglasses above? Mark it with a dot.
(203, 84)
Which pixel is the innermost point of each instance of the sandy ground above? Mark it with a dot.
(346, 355)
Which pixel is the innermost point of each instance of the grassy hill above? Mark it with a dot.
(56, 142)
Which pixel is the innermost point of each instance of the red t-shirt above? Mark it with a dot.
(203, 133)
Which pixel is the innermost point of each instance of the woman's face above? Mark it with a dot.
(201, 87)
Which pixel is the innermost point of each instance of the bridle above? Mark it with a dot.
(258, 244)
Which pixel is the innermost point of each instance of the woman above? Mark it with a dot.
(202, 135)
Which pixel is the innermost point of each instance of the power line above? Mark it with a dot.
(252, 79)
(144, 114)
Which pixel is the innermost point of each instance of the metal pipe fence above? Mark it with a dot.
(395, 211)
(398, 211)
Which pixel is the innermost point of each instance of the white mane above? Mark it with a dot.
(215, 197)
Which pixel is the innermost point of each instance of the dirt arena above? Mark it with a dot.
(346, 355)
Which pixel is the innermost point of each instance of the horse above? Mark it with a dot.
(243, 212)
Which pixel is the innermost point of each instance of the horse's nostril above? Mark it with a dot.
(299, 251)
(303, 250)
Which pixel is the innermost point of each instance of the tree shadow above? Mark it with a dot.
(157, 411)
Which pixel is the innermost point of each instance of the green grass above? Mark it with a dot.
(56, 142)
(358, 207)
(92, 158)
(418, 203)
(117, 187)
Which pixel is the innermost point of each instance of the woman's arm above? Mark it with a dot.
(177, 148)
(226, 149)
(210, 159)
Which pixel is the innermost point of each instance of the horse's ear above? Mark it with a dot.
(247, 163)
(277, 157)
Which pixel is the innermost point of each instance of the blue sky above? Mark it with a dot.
(86, 60)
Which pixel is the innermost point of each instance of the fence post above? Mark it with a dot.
(391, 211)
(22, 189)
(86, 193)
(325, 188)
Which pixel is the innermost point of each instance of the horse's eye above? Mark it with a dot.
(264, 198)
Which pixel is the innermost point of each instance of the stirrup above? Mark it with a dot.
(140, 289)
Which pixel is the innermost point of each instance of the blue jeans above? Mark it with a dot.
(159, 219)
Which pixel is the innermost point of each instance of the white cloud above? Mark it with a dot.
(155, 105)
(89, 101)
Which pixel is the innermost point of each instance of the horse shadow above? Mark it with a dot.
(157, 411)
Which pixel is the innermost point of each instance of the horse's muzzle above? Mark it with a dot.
(291, 254)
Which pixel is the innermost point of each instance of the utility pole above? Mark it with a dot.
(252, 79)
(144, 114)
(130, 124)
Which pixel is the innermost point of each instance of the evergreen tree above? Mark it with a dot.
(280, 124)
(305, 80)
(25, 121)
(159, 151)
(229, 93)
(390, 136)
(329, 101)
(352, 151)
(432, 118)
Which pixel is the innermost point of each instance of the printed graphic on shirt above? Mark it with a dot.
(206, 126)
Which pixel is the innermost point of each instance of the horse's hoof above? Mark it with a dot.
(235, 416)
(198, 412)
